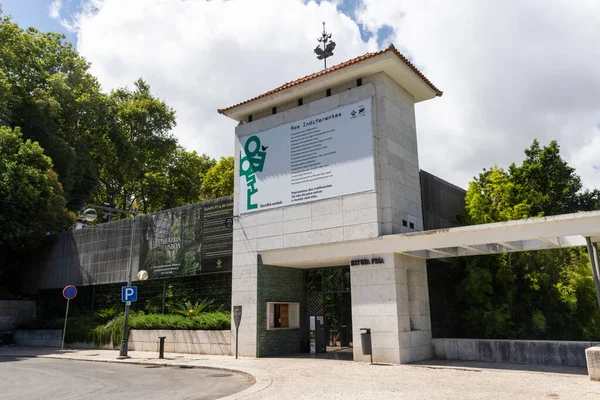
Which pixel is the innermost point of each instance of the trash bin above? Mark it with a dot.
(365, 340)
(344, 339)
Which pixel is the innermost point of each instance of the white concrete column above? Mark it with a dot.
(374, 305)
(415, 333)
(384, 300)
(244, 284)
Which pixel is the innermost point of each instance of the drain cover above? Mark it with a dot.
(153, 366)
(219, 375)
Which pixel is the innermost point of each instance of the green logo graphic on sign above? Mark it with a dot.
(253, 162)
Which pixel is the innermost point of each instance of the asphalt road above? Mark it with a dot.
(37, 378)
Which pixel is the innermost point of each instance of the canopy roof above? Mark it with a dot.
(558, 231)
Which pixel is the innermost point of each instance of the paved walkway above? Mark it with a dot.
(312, 378)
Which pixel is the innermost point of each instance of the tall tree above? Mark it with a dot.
(542, 294)
(46, 90)
(137, 144)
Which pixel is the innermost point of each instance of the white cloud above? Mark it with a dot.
(511, 71)
(199, 56)
(54, 9)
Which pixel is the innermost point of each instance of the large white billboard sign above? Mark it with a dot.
(326, 155)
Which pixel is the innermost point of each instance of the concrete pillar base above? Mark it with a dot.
(592, 356)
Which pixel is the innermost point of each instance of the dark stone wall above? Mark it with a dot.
(278, 284)
(99, 254)
(441, 202)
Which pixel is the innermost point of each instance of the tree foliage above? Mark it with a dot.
(47, 91)
(218, 181)
(138, 143)
(32, 202)
(546, 294)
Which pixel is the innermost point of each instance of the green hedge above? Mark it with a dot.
(113, 330)
(204, 321)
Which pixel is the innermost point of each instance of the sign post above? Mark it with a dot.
(69, 292)
(128, 294)
(237, 318)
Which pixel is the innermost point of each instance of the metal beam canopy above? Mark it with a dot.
(560, 231)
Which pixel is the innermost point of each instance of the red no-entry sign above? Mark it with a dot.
(69, 292)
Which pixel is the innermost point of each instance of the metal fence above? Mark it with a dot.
(154, 296)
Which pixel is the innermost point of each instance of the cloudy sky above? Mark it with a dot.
(511, 70)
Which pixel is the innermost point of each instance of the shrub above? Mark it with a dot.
(106, 314)
(204, 321)
(112, 331)
(189, 310)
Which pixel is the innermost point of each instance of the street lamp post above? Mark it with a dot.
(90, 215)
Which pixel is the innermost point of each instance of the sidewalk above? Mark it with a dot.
(311, 378)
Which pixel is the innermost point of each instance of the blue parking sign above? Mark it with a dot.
(128, 293)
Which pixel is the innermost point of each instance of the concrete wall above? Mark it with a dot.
(15, 312)
(396, 153)
(394, 207)
(277, 284)
(38, 338)
(326, 221)
(543, 352)
(177, 341)
(397, 160)
(442, 202)
(392, 299)
(183, 341)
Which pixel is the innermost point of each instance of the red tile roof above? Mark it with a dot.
(345, 64)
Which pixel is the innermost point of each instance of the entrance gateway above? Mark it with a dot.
(327, 175)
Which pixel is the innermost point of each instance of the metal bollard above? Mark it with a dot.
(365, 341)
(161, 349)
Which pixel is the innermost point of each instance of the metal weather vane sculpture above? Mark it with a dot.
(328, 46)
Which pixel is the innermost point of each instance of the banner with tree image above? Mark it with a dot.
(188, 240)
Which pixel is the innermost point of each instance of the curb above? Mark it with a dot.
(261, 380)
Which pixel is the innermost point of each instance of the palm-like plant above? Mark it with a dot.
(191, 310)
